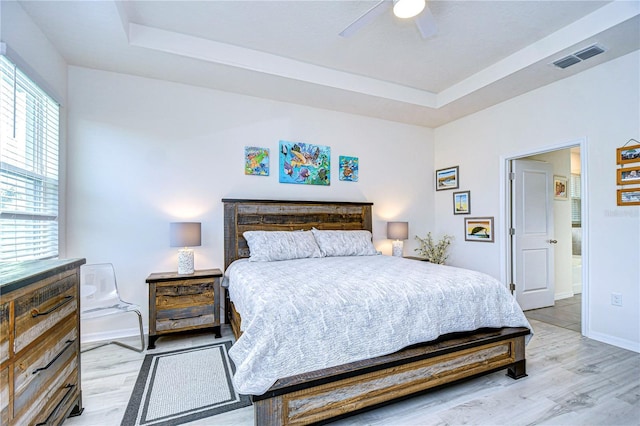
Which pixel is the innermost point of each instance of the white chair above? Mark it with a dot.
(99, 297)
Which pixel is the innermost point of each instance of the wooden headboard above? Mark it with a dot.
(279, 215)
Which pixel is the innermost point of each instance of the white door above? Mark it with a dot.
(533, 242)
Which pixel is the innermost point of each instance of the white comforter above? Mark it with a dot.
(307, 314)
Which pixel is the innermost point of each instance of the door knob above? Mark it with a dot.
(553, 241)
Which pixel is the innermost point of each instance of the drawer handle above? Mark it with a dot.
(68, 344)
(178, 319)
(36, 313)
(69, 388)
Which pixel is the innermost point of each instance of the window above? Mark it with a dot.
(29, 136)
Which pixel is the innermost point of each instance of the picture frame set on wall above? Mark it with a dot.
(628, 174)
(300, 163)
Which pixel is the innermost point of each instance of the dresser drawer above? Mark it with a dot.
(4, 396)
(4, 332)
(41, 310)
(177, 296)
(41, 371)
(53, 406)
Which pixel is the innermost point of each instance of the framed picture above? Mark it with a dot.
(447, 178)
(560, 188)
(628, 154)
(629, 197)
(256, 161)
(304, 163)
(629, 176)
(348, 168)
(478, 229)
(462, 202)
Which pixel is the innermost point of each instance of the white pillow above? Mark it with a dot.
(267, 246)
(344, 243)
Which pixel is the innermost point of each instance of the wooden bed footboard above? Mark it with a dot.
(331, 393)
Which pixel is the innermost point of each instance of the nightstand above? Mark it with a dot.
(179, 303)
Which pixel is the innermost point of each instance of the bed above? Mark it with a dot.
(342, 389)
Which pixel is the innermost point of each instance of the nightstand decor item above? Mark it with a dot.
(185, 235)
(434, 252)
(397, 231)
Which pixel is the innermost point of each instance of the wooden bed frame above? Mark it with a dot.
(324, 395)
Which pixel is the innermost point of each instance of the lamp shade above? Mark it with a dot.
(397, 230)
(184, 234)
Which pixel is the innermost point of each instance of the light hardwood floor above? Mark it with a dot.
(565, 313)
(572, 381)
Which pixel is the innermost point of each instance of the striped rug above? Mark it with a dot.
(184, 385)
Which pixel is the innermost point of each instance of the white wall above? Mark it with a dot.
(602, 105)
(143, 153)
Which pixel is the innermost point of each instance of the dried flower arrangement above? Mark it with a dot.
(434, 252)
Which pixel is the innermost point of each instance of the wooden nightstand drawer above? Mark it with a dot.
(183, 303)
(175, 296)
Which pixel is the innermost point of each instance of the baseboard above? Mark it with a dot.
(577, 288)
(564, 295)
(112, 335)
(615, 341)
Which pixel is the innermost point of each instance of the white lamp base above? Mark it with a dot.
(397, 248)
(185, 262)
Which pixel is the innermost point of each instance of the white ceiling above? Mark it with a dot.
(484, 52)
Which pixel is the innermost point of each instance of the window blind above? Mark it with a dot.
(576, 213)
(29, 140)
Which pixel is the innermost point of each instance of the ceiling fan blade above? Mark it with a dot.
(426, 23)
(378, 9)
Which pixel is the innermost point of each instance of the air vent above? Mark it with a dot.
(566, 62)
(579, 56)
(589, 52)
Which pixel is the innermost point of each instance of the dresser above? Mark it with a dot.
(40, 342)
(179, 303)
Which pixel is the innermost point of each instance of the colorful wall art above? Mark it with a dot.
(256, 161)
(304, 163)
(348, 168)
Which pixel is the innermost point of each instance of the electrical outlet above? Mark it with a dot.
(616, 299)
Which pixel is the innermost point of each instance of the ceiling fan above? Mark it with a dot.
(406, 9)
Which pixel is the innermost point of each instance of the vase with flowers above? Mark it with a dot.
(434, 252)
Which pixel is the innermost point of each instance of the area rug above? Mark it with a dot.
(184, 385)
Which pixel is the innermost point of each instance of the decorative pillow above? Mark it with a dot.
(344, 243)
(266, 246)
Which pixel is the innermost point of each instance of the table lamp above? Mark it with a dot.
(185, 235)
(397, 231)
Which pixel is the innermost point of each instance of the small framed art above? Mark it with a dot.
(256, 161)
(629, 176)
(447, 178)
(462, 202)
(628, 154)
(349, 167)
(478, 229)
(629, 197)
(560, 188)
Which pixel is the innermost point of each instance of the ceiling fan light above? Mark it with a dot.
(408, 8)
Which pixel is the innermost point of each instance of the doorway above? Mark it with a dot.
(567, 306)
